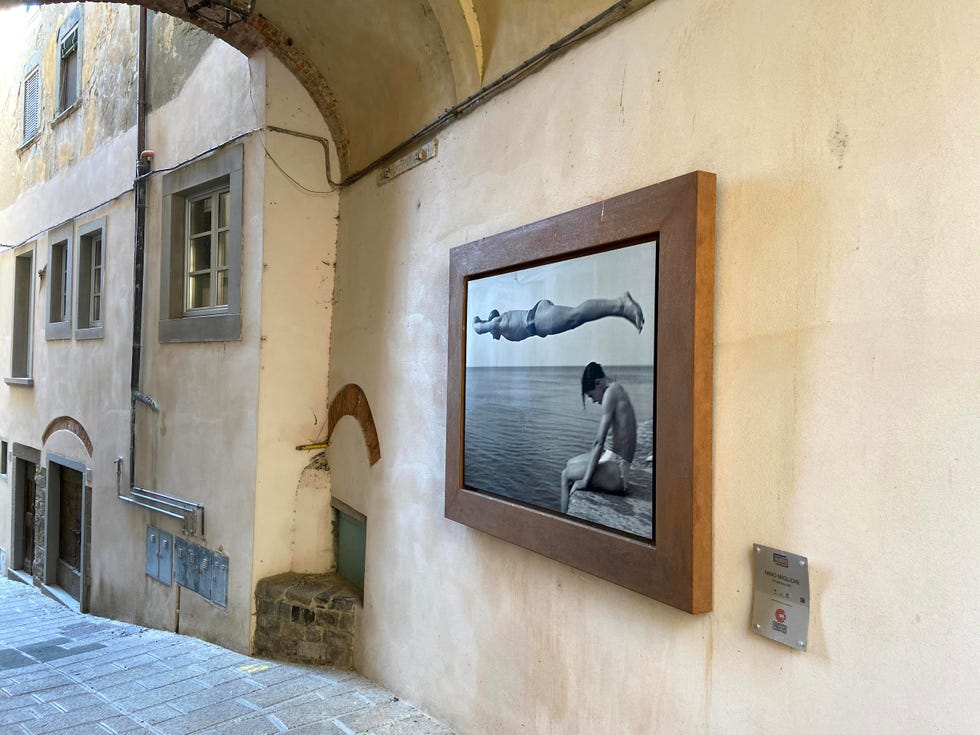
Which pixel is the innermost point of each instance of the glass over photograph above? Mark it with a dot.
(559, 387)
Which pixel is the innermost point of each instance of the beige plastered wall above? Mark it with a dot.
(846, 402)
(293, 530)
(201, 445)
(78, 170)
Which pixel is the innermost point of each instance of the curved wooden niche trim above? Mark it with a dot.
(351, 401)
(72, 426)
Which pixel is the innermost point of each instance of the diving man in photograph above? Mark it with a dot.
(604, 470)
(546, 318)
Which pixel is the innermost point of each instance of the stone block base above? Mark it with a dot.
(307, 618)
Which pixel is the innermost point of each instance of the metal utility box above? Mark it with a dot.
(180, 562)
(159, 555)
(201, 570)
(204, 564)
(219, 579)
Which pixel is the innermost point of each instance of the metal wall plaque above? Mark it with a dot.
(781, 600)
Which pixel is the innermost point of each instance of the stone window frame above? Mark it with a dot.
(59, 317)
(72, 24)
(223, 168)
(85, 326)
(22, 325)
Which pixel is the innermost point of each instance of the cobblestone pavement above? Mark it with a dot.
(62, 672)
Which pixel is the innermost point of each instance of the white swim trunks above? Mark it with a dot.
(609, 455)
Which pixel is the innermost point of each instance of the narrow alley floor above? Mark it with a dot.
(63, 672)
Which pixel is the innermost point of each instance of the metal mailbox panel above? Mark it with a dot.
(193, 570)
(219, 579)
(166, 558)
(205, 563)
(152, 552)
(180, 562)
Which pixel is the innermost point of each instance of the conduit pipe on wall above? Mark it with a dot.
(190, 514)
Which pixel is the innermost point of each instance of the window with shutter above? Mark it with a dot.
(68, 71)
(32, 104)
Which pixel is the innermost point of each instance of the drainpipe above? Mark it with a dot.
(191, 515)
(142, 168)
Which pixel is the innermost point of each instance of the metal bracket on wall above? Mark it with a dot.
(408, 162)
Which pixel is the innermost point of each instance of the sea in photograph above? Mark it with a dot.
(524, 423)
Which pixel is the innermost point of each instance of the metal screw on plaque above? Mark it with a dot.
(757, 549)
(802, 643)
(758, 627)
(802, 562)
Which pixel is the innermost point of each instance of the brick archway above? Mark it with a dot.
(72, 426)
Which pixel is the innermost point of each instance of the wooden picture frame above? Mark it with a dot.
(672, 563)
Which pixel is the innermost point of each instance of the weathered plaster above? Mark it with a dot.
(67, 139)
(175, 49)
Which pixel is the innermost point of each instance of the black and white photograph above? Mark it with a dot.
(560, 387)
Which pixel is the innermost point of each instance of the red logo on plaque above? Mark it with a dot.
(781, 615)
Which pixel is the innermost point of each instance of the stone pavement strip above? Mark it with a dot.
(63, 672)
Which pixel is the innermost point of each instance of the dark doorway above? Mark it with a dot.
(69, 572)
(26, 471)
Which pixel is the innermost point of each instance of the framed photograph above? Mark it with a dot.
(579, 388)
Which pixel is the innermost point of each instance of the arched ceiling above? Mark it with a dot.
(381, 71)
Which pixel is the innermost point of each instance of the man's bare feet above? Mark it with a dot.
(633, 312)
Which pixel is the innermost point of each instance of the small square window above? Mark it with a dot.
(91, 280)
(59, 283)
(3, 459)
(200, 288)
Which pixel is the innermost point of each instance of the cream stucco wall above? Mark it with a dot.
(293, 529)
(201, 446)
(847, 350)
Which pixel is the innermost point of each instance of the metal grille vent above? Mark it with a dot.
(32, 93)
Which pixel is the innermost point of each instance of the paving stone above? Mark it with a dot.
(34, 686)
(270, 673)
(79, 701)
(313, 709)
(71, 719)
(229, 690)
(317, 728)
(144, 699)
(284, 691)
(144, 681)
(121, 724)
(369, 718)
(158, 713)
(135, 673)
(220, 676)
(414, 725)
(171, 677)
(17, 714)
(67, 689)
(202, 718)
